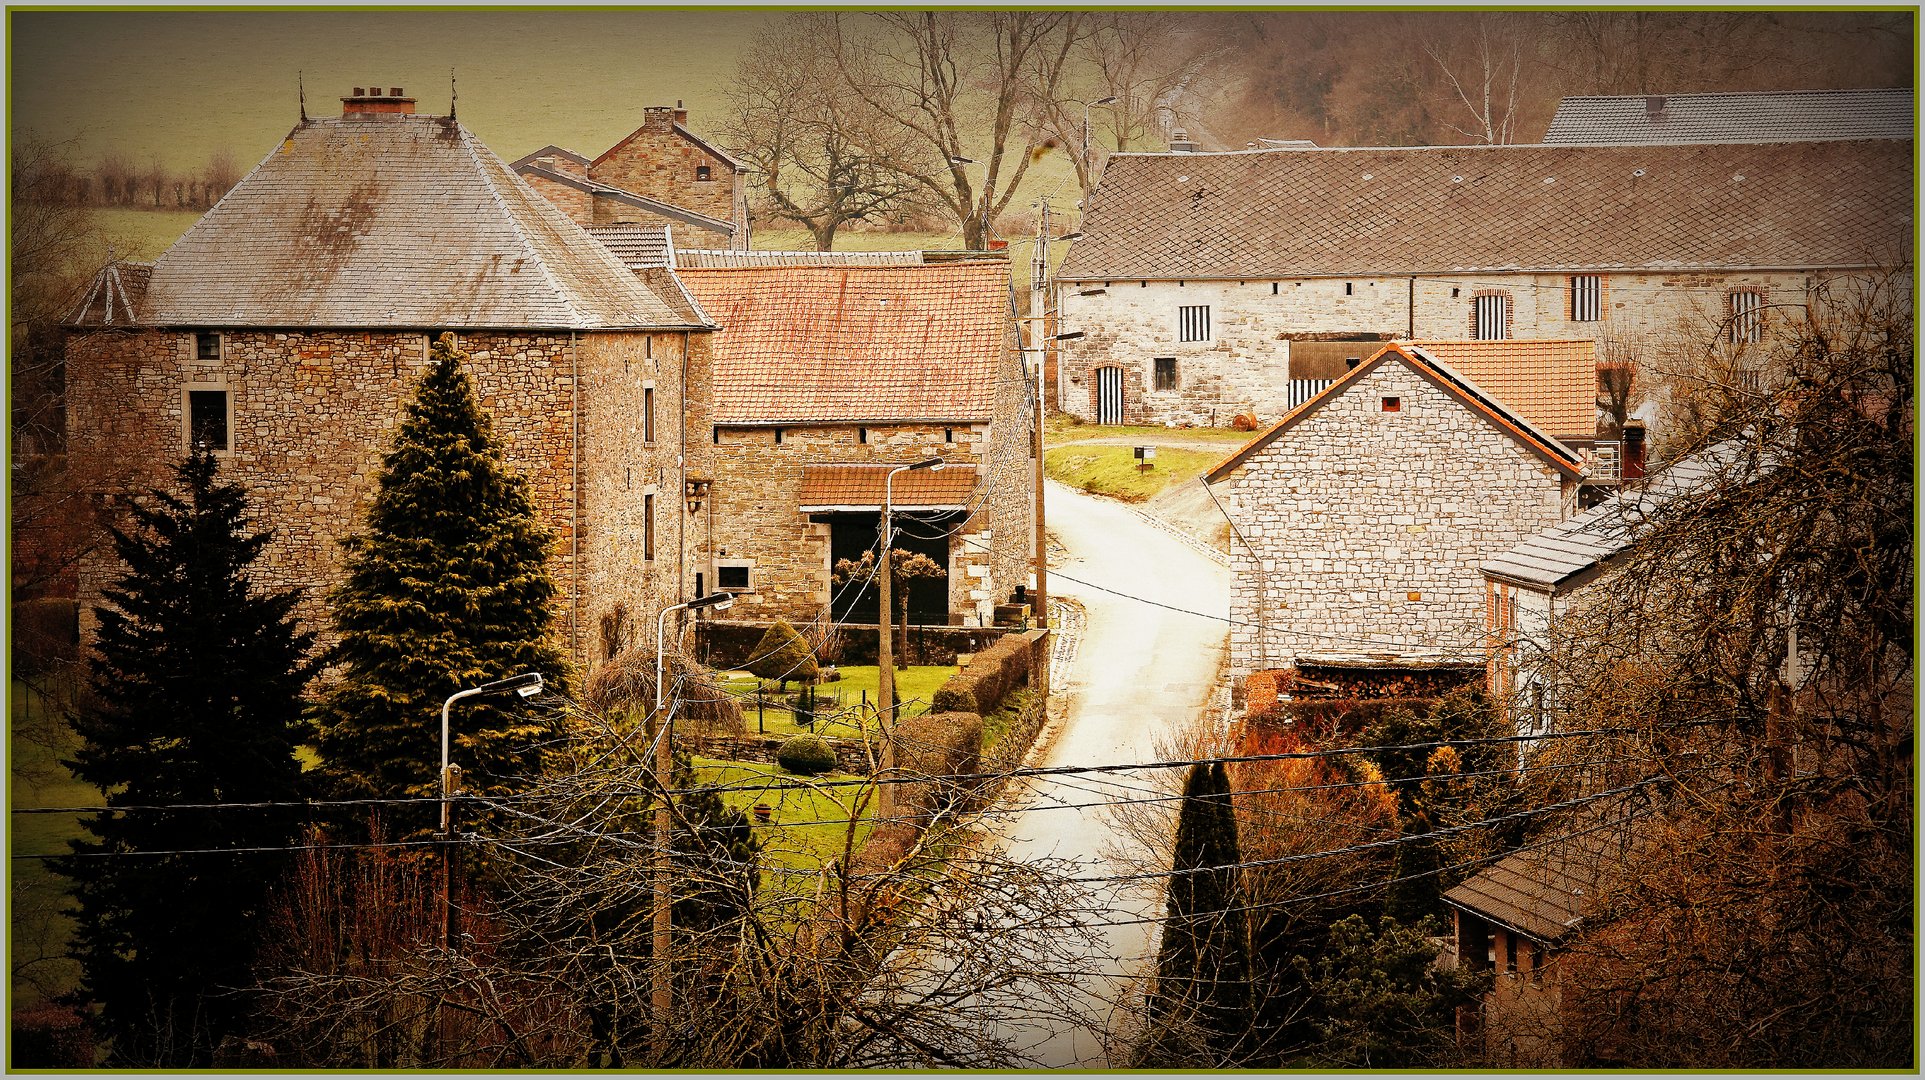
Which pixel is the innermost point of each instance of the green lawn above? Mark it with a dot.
(808, 825)
(39, 922)
(1112, 470)
(837, 703)
(1064, 427)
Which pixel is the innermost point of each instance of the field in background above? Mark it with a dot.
(1112, 470)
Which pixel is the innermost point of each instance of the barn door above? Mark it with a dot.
(1109, 395)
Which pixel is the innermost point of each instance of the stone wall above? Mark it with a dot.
(313, 412)
(758, 482)
(1369, 525)
(1008, 517)
(1246, 362)
(658, 162)
(579, 205)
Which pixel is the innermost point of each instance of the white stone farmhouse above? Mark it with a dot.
(1359, 520)
(1201, 281)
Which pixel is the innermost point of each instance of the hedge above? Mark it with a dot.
(990, 677)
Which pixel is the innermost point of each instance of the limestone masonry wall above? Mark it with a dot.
(1369, 525)
(313, 412)
(1245, 363)
(758, 482)
(659, 163)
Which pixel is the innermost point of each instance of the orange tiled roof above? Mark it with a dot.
(846, 344)
(1508, 420)
(861, 485)
(1552, 384)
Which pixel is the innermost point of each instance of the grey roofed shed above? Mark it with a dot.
(1769, 116)
(1566, 555)
(394, 220)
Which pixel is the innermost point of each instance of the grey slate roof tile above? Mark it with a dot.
(1463, 209)
(1773, 116)
(393, 221)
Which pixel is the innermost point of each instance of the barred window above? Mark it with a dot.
(1587, 297)
(1491, 317)
(1747, 315)
(1193, 323)
(1166, 373)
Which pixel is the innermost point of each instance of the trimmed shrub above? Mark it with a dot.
(783, 655)
(993, 675)
(938, 746)
(806, 755)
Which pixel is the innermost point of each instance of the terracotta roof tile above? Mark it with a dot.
(862, 485)
(849, 344)
(1458, 209)
(1552, 384)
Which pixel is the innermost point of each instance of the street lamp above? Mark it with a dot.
(663, 998)
(1086, 108)
(527, 684)
(885, 618)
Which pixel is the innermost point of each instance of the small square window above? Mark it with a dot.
(732, 578)
(207, 346)
(207, 419)
(778, 436)
(1393, 404)
(1166, 373)
(702, 173)
(948, 434)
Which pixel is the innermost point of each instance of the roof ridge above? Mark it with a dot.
(564, 294)
(1491, 401)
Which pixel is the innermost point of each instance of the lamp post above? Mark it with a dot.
(885, 646)
(1086, 108)
(527, 684)
(661, 990)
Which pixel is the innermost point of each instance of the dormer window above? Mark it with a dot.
(702, 173)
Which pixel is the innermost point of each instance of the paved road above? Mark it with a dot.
(1140, 670)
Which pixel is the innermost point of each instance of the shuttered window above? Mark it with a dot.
(1193, 323)
(1587, 297)
(1491, 317)
(1747, 315)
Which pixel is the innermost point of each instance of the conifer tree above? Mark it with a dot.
(447, 588)
(1203, 973)
(195, 698)
(782, 655)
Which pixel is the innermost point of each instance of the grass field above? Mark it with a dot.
(1112, 470)
(808, 824)
(1062, 428)
(39, 924)
(915, 688)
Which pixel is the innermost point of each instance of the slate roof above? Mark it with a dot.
(861, 486)
(641, 202)
(1456, 209)
(1567, 554)
(639, 247)
(713, 257)
(1505, 419)
(1772, 116)
(1544, 891)
(114, 297)
(847, 344)
(1553, 384)
(392, 221)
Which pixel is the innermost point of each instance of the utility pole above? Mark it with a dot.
(1038, 345)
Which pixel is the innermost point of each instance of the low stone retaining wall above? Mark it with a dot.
(851, 755)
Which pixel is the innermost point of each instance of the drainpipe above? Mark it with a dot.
(681, 466)
(1263, 585)
(1410, 305)
(575, 493)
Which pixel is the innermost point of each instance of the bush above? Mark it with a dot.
(993, 675)
(806, 755)
(782, 655)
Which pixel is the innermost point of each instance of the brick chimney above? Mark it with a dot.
(370, 101)
(1654, 110)
(661, 118)
(681, 114)
(1632, 467)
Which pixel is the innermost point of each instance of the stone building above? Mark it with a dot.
(289, 327)
(1359, 520)
(1198, 274)
(828, 376)
(661, 173)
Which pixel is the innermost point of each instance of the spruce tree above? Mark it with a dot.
(1203, 972)
(195, 698)
(447, 588)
